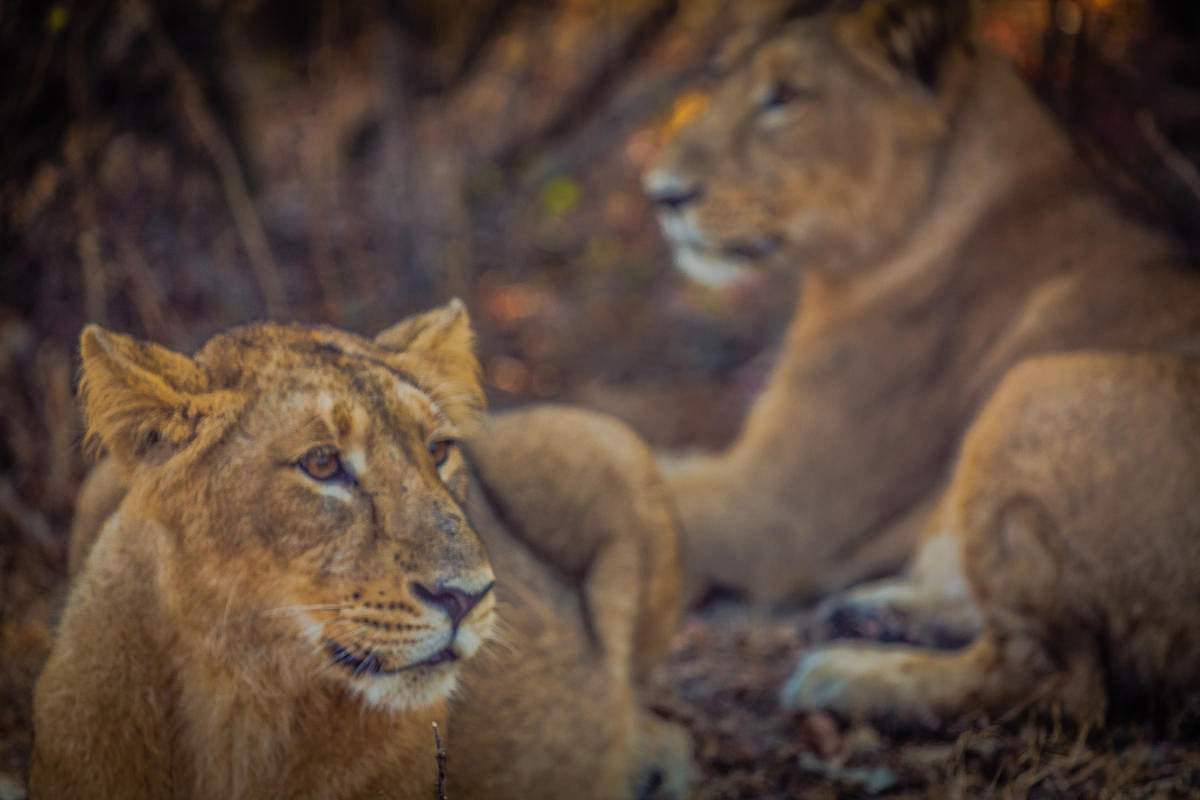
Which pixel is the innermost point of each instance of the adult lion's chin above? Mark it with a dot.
(712, 270)
(734, 278)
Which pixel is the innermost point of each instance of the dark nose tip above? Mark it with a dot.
(456, 603)
(674, 198)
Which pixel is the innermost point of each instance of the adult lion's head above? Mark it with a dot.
(817, 149)
(298, 490)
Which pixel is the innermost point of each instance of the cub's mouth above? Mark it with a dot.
(370, 663)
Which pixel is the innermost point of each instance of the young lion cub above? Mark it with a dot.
(281, 584)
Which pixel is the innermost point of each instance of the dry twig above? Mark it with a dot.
(441, 764)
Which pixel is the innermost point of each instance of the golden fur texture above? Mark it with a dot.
(1074, 511)
(281, 587)
(943, 229)
(590, 587)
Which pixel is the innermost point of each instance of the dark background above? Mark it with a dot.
(170, 169)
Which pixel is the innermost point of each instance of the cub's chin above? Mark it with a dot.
(415, 688)
(402, 681)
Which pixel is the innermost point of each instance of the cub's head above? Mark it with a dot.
(814, 151)
(298, 491)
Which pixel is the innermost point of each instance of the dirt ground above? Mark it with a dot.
(171, 169)
(722, 681)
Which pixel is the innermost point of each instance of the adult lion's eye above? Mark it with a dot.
(780, 94)
(322, 464)
(439, 451)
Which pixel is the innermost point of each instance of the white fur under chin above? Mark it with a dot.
(407, 691)
(710, 271)
(423, 686)
(403, 691)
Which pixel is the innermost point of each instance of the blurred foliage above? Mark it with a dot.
(559, 195)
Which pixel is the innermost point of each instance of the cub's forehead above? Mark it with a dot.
(272, 346)
(351, 404)
(310, 370)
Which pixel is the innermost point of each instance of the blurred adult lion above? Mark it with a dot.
(1075, 510)
(944, 230)
(281, 581)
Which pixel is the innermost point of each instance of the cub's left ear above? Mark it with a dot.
(136, 395)
(909, 38)
(437, 348)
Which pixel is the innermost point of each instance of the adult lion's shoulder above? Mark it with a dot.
(943, 229)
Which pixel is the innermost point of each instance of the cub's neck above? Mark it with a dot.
(235, 718)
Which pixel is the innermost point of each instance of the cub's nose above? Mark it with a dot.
(669, 192)
(454, 601)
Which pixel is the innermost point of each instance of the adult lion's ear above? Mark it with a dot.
(437, 348)
(908, 38)
(136, 395)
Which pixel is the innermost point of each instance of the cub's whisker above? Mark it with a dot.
(297, 609)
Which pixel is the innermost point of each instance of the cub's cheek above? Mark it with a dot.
(468, 642)
(457, 483)
(475, 631)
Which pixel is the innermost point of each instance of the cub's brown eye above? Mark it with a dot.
(322, 464)
(439, 451)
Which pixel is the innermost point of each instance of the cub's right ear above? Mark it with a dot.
(438, 349)
(136, 394)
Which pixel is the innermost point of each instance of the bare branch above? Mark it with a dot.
(441, 764)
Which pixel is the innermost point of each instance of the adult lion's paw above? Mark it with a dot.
(822, 681)
(851, 617)
(901, 611)
(863, 681)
